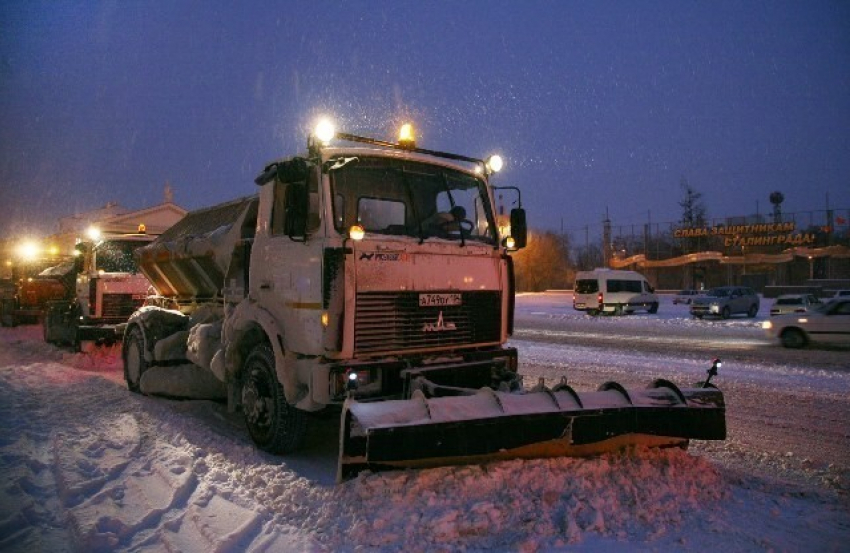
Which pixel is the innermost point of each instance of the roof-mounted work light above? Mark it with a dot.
(325, 131)
(495, 164)
(406, 138)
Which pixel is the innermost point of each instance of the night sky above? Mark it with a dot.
(594, 105)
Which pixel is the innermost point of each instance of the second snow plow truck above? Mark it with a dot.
(374, 276)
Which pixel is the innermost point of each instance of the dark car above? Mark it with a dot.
(726, 301)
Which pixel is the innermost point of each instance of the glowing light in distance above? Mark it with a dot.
(93, 233)
(325, 131)
(510, 243)
(28, 250)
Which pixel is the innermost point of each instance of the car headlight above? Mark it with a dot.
(714, 308)
(767, 325)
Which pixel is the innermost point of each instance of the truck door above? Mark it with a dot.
(286, 261)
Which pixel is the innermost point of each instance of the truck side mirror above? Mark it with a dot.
(81, 250)
(519, 230)
(294, 170)
(295, 218)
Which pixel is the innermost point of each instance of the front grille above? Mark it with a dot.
(119, 305)
(395, 322)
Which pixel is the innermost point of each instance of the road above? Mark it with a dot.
(787, 410)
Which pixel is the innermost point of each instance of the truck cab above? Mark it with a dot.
(107, 289)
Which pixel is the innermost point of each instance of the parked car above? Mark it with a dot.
(685, 296)
(613, 292)
(794, 303)
(725, 302)
(829, 323)
(841, 294)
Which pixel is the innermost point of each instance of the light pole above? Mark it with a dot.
(811, 268)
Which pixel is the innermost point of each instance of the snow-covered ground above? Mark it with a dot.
(86, 465)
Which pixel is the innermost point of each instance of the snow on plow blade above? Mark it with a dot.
(490, 425)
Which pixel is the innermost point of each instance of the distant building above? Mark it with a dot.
(113, 218)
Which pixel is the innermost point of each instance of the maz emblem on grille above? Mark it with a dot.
(439, 326)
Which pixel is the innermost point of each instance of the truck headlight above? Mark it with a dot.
(767, 325)
(714, 308)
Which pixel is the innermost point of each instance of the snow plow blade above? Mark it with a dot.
(488, 425)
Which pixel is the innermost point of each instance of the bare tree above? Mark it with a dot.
(693, 215)
(693, 210)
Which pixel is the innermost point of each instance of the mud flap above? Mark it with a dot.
(490, 425)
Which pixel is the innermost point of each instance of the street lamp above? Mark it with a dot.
(811, 268)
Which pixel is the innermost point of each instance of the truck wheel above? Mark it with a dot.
(726, 313)
(274, 425)
(45, 326)
(793, 338)
(752, 311)
(618, 310)
(653, 309)
(135, 364)
(7, 318)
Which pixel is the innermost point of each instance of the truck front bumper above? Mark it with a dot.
(99, 333)
(377, 379)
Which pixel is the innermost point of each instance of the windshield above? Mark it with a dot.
(789, 301)
(405, 198)
(116, 256)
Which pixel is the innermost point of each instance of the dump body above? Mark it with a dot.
(24, 301)
(189, 261)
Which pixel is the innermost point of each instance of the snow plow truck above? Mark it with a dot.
(103, 288)
(375, 277)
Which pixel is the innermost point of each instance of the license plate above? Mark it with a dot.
(579, 305)
(439, 300)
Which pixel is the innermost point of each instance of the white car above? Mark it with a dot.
(794, 303)
(829, 323)
(841, 294)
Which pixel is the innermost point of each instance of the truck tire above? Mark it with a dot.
(274, 425)
(726, 313)
(7, 317)
(135, 364)
(45, 326)
(751, 313)
(48, 323)
(653, 308)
